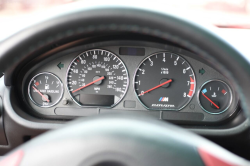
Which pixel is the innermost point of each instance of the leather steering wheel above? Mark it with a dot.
(123, 140)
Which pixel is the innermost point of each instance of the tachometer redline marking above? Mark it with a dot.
(211, 101)
(168, 81)
(99, 79)
(41, 94)
(190, 93)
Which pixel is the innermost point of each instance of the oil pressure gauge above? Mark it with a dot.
(45, 89)
(215, 97)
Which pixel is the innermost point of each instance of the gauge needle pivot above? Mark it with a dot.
(41, 94)
(211, 101)
(99, 79)
(166, 82)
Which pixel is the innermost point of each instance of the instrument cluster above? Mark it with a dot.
(167, 81)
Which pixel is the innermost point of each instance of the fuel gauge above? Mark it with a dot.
(215, 97)
(45, 89)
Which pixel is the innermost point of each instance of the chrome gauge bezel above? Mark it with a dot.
(230, 102)
(159, 109)
(83, 106)
(62, 89)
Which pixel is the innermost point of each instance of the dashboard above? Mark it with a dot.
(164, 81)
(88, 64)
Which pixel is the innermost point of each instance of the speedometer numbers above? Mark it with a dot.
(97, 78)
(164, 81)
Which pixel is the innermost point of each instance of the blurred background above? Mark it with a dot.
(222, 13)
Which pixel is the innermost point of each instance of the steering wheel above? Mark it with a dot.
(126, 140)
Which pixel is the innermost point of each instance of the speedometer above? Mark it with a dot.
(97, 78)
(164, 81)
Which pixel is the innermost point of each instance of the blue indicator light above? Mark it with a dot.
(204, 90)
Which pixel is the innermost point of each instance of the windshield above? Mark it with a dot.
(222, 13)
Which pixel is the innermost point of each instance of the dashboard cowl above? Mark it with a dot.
(80, 22)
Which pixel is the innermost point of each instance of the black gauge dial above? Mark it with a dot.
(97, 78)
(215, 97)
(164, 81)
(45, 89)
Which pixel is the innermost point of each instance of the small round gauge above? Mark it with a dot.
(164, 81)
(45, 89)
(97, 78)
(215, 97)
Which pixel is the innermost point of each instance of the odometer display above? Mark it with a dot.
(97, 78)
(164, 81)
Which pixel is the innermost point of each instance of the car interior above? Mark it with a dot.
(123, 84)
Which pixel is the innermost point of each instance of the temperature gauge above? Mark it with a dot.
(215, 97)
(45, 89)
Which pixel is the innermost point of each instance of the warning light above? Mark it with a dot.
(37, 83)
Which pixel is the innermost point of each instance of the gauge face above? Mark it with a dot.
(164, 81)
(97, 78)
(45, 89)
(215, 97)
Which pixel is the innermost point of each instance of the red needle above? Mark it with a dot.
(210, 101)
(41, 94)
(168, 81)
(99, 79)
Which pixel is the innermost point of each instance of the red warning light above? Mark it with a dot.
(37, 83)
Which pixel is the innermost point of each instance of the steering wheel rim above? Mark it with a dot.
(127, 140)
(88, 21)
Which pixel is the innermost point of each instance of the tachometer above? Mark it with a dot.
(97, 78)
(164, 81)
